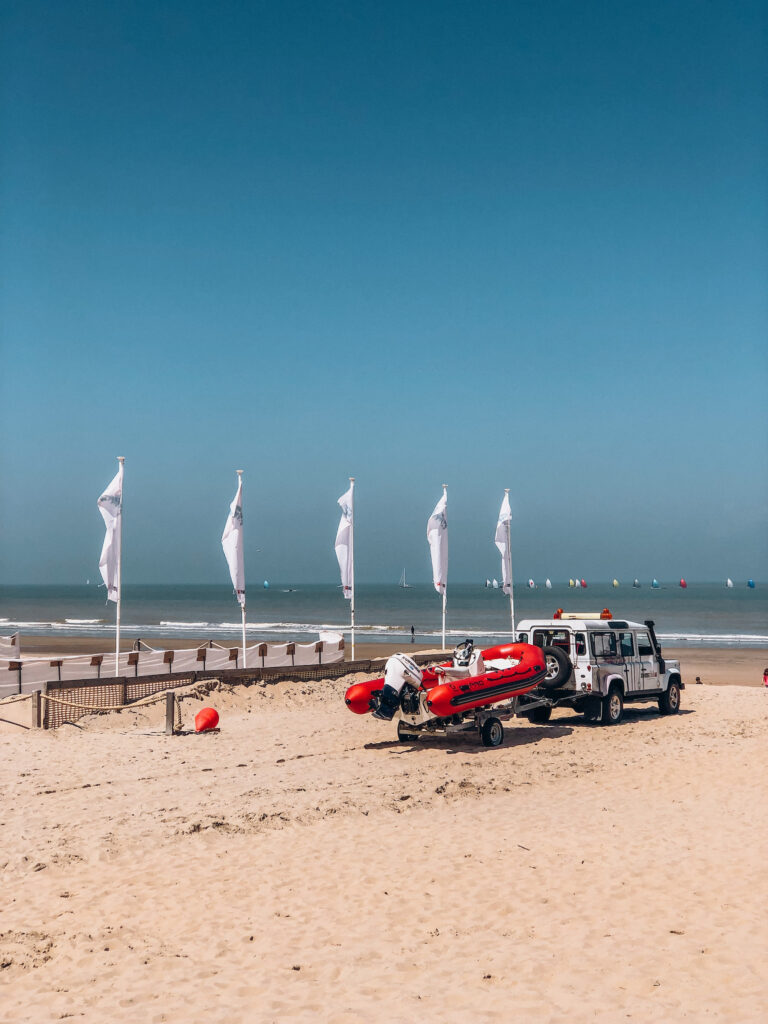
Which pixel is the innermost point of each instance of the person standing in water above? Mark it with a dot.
(413, 640)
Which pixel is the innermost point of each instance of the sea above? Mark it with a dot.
(704, 614)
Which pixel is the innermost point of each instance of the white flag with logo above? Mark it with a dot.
(111, 508)
(502, 543)
(437, 535)
(344, 550)
(232, 542)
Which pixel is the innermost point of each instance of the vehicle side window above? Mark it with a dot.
(603, 644)
(644, 647)
(626, 645)
(581, 644)
(522, 638)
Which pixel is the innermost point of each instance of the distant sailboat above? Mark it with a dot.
(729, 583)
(751, 584)
(403, 582)
(577, 584)
(495, 584)
(487, 582)
(655, 583)
(615, 583)
(266, 584)
(683, 584)
(531, 584)
(571, 583)
(584, 584)
(636, 583)
(548, 583)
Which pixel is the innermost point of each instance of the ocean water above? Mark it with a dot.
(706, 614)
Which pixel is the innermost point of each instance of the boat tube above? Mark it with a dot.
(473, 679)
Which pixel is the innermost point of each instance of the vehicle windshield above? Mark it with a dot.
(603, 645)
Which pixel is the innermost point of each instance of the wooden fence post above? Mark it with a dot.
(170, 708)
(35, 709)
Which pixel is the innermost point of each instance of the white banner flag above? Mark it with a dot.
(502, 543)
(437, 535)
(232, 542)
(111, 508)
(344, 549)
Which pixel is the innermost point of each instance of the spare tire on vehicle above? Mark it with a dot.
(559, 668)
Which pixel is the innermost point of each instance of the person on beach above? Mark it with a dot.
(413, 639)
(698, 680)
(765, 677)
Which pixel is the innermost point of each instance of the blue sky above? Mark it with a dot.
(491, 245)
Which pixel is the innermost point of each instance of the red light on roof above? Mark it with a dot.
(605, 614)
(558, 614)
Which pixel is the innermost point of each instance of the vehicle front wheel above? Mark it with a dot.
(669, 701)
(492, 733)
(613, 706)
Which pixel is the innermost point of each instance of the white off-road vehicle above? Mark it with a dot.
(596, 664)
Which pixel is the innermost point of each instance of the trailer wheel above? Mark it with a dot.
(403, 733)
(669, 701)
(492, 733)
(613, 706)
(539, 715)
(559, 668)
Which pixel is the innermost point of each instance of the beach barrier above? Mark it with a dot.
(23, 675)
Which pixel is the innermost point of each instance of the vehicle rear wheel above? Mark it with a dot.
(558, 668)
(492, 733)
(669, 701)
(539, 715)
(404, 733)
(613, 706)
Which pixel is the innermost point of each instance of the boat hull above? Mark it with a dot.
(461, 695)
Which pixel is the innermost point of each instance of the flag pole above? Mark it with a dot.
(445, 581)
(242, 606)
(352, 561)
(511, 587)
(121, 460)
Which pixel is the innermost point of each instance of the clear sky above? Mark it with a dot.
(485, 244)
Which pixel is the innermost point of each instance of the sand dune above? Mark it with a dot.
(302, 865)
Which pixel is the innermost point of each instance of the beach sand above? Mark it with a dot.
(301, 865)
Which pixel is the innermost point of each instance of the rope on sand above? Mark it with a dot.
(15, 699)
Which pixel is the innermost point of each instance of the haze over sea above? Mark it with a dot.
(706, 614)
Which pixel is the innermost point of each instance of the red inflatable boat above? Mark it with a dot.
(454, 691)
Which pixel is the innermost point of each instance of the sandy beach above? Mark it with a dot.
(302, 865)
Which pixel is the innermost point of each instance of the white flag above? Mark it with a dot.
(232, 542)
(437, 535)
(344, 549)
(111, 508)
(502, 543)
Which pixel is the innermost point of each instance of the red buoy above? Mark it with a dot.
(206, 719)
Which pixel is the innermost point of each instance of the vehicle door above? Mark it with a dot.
(628, 652)
(649, 667)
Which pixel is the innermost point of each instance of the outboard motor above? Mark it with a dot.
(399, 670)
